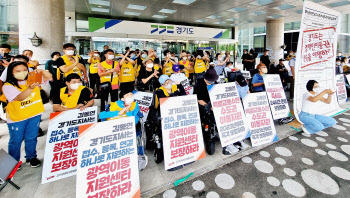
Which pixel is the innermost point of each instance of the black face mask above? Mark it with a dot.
(5, 54)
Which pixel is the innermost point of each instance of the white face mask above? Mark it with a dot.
(318, 89)
(264, 70)
(291, 54)
(168, 55)
(199, 57)
(231, 67)
(245, 52)
(97, 55)
(70, 52)
(338, 63)
(149, 65)
(339, 54)
(75, 86)
(267, 54)
(129, 100)
(185, 58)
(144, 56)
(110, 57)
(168, 86)
(221, 58)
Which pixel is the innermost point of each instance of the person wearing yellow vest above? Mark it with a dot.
(73, 96)
(168, 89)
(168, 63)
(31, 63)
(200, 66)
(108, 71)
(186, 64)
(94, 60)
(70, 63)
(127, 73)
(24, 110)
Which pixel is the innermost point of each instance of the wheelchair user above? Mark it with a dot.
(126, 107)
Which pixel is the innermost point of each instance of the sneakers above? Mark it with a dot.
(229, 150)
(28, 162)
(304, 129)
(243, 145)
(34, 162)
(143, 161)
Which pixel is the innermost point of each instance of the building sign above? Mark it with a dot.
(315, 59)
(134, 27)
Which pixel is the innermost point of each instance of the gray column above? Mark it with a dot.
(46, 18)
(275, 39)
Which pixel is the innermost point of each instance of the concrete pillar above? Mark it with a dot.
(342, 39)
(46, 18)
(275, 39)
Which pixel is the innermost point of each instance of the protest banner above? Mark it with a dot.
(258, 114)
(62, 143)
(144, 100)
(341, 90)
(348, 78)
(228, 112)
(315, 59)
(277, 98)
(187, 86)
(182, 131)
(107, 160)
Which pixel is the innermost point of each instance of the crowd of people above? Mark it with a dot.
(113, 77)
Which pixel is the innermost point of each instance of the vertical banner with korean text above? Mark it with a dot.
(61, 149)
(258, 114)
(182, 130)
(341, 89)
(187, 86)
(144, 100)
(315, 59)
(229, 114)
(107, 160)
(277, 98)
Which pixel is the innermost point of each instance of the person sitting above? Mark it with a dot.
(73, 96)
(258, 80)
(344, 64)
(177, 76)
(168, 89)
(242, 86)
(230, 68)
(311, 102)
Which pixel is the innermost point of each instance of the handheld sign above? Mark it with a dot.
(107, 160)
(257, 111)
(187, 86)
(61, 149)
(341, 90)
(229, 113)
(277, 98)
(182, 131)
(144, 100)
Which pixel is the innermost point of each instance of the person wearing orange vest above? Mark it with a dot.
(73, 96)
(70, 63)
(127, 73)
(108, 71)
(24, 111)
(94, 60)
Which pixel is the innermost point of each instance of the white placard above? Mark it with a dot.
(144, 99)
(229, 114)
(258, 114)
(187, 86)
(182, 130)
(341, 89)
(277, 98)
(107, 160)
(62, 142)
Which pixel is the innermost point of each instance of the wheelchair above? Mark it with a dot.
(209, 129)
(141, 139)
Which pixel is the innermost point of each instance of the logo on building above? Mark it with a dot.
(160, 29)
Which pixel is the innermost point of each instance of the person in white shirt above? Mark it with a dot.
(291, 75)
(312, 100)
(177, 76)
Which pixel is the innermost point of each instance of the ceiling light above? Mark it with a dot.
(159, 16)
(136, 7)
(262, 2)
(213, 17)
(184, 2)
(100, 2)
(132, 13)
(341, 3)
(258, 13)
(285, 7)
(231, 19)
(237, 9)
(219, 22)
(94, 9)
(276, 16)
(200, 21)
(167, 11)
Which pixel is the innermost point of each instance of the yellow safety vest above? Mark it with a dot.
(69, 63)
(31, 66)
(29, 107)
(199, 66)
(70, 101)
(107, 78)
(168, 68)
(187, 67)
(116, 107)
(173, 89)
(127, 73)
(94, 66)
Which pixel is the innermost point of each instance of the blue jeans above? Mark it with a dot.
(315, 123)
(27, 130)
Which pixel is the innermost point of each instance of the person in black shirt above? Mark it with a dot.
(148, 77)
(51, 66)
(248, 60)
(283, 72)
(265, 58)
(73, 96)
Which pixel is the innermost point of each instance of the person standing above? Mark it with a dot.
(283, 72)
(248, 60)
(94, 60)
(31, 63)
(265, 58)
(24, 111)
(51, 66)
(108, 71)
(127, 74)
(168, 63)
(291, 75)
